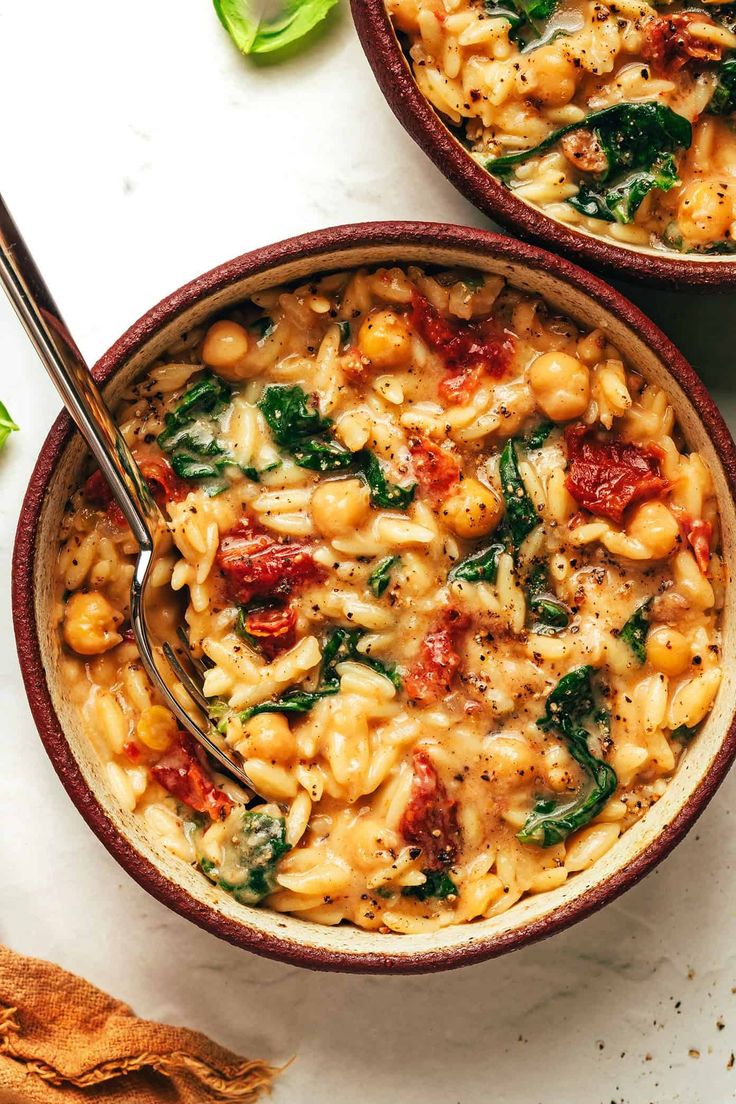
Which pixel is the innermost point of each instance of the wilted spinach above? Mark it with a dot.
(250, 855)
(521, 513)
(568, 707)
(635, 631)
(723, 101)
(189, 435)
(439, 885)
(552, 615)
(380, 577)
(478, 567)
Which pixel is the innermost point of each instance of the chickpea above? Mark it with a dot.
(157, 727)
(225, 348)
(91, 623)
(668, 650)
(384, 339)
(472, 510)
(340, 505)
(655, 526)
(551, 76)
(267, 736)
(705, 211)
(561, 386)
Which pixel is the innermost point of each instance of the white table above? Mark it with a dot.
(164, 153)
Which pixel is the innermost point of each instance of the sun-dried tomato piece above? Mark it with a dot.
(163, 483)
(436, 469)
(669, 43)
(273, 629)
(181, 773)
(467, 348)
(583, 150)
(605, 475)
(132, 750)
(255, 564)
(460, 388)
(430, 679)
(699, 534)
(430, 818)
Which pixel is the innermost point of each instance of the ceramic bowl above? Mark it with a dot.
(385, 52)
(569, 290)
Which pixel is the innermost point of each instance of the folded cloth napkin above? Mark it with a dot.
(64, 1042)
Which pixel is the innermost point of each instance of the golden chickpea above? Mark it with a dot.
(384, 339)
(705, 212)
(560, 384)
(157, 727)
(668, 650)
(91, 624)
(225, 348)
(472, 510)
(340, 505)
(551, 76)
(655, 527)
(267, 736)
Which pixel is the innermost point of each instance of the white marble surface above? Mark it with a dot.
(160, 153)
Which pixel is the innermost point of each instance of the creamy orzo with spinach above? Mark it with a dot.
(615, 117)
(454, 576)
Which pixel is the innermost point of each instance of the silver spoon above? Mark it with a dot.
(41, 318)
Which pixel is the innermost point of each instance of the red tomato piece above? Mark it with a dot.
(669, 44)
(132, 750)
(274, 629)
(162, 482)
(468, 348)
(430, 818)
(460, 388)
(605, 476)
(436, 469)
(699, 534)
(255, 564)
(430, 679)
(181, 773)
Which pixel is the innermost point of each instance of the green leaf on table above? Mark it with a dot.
(7, 425)
(260, 27)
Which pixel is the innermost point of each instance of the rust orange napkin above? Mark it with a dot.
(64, 1042)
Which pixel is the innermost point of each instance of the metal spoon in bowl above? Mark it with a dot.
(34, 305)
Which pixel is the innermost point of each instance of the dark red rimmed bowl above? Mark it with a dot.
(393, 73)
(568, 289)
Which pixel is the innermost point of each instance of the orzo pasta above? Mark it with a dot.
(613, 117)
(453, 575)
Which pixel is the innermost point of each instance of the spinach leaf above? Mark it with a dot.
(345, 336)
(552, 614)
(189, 434)
(383, 493)
(683, 733)
(254, 34)
(631, 135)
(568, 706)
(250, 855)
(341, 644)
(7, 425)
(635, 631)
(478, 567)
(537, 437)
(300, 429)
(620, 203)
(521, 12)
(521, 513)
(380, 577)
(439, 884)
(291, 415)
(723, 101)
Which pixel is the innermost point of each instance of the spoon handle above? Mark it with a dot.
(42, 320)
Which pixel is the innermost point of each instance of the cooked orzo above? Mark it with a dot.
(453, 574)
(616, 118)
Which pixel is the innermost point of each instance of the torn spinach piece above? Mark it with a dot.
(570, 705)
(537, 436)
(552, 615)
(380, 577)
(189, 435)
(621, 202)
(521, 513)
(478, 567)
(635, 631)
(439, 885)
(251, 849)
(388, 495)
(291, 415)
(521, 13)
(631, 136)
(723, 101)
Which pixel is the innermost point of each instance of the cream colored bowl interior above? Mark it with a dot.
(347, 940)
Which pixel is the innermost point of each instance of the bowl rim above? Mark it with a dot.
(395, 79)
(331, 242)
